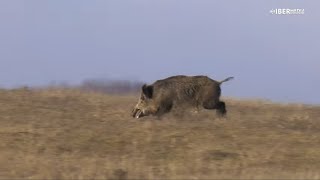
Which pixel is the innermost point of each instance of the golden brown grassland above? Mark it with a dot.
(69, 134)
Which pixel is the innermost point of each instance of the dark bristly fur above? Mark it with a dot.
(195, 91)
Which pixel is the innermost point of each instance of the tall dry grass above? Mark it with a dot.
(70, 134)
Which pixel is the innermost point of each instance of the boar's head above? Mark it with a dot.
(145, 105)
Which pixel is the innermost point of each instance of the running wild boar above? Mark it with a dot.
(195, 91)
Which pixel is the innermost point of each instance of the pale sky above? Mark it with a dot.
(274, 57)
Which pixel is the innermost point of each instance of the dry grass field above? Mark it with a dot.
(69, 134)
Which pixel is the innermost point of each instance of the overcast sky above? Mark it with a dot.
(273, 57)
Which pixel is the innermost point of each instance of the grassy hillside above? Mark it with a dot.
(68, 134)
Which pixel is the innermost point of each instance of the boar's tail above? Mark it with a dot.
(227, 79)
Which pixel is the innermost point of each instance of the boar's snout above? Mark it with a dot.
(137, 113)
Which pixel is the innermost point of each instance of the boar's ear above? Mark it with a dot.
(147, 91)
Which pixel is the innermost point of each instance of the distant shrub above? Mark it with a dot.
(111, 86)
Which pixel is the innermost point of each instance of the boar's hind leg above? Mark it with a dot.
(221, 109)
(218, 105)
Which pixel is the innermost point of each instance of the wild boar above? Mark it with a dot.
(195, 91)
